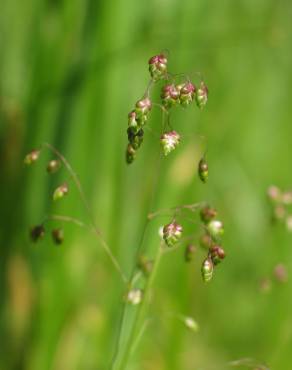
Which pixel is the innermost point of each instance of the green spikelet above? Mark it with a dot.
(203, 170)
(172, 233)
(202, 95)
(207, 270)
(158, 66)
(60, 192)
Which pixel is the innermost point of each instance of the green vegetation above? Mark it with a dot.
(70, 72)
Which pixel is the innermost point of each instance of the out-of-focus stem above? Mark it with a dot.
(97, 232)
(175, 210)
(140, 315)
(69, 219)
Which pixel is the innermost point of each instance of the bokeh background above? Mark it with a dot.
(70, 71)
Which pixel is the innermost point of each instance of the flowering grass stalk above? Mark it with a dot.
(140, 283)
(172, 96)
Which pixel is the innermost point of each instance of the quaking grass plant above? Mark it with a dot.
(139, 282)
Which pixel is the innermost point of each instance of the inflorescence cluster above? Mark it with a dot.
(172, 94)
(38, 232)
(210, 239)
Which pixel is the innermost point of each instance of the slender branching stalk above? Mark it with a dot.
(142, 276)
(93, 225)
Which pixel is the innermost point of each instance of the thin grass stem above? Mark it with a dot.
(79, 187)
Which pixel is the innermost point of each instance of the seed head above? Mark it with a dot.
(53, 166)
(215, 228)
(191, 324)
(207, 270)
(274, 193)
(61, 191)
(169, 95)
(58, 236)
(186, 93)
(202, 95)
(37, 233)
(130, 154)
(203, 170)
(133, 121)
(135, 137)
(134, 296)
(207, 214)
(172, 233)
(169, 141)
(158, 66)
(217, 254)
(32, 157)
(143, 107)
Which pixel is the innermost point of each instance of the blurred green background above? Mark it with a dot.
(70, 71)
